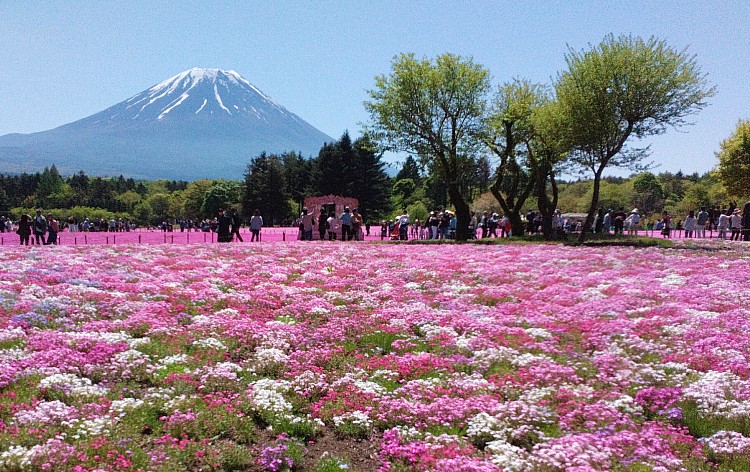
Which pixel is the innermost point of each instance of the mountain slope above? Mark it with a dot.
(201, 123)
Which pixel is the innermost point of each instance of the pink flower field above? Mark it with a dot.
(323, 357)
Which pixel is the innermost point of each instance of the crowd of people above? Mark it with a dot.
(729, 222)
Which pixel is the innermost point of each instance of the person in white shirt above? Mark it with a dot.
(723, 224)
(735, 222)
(633, 220)
(691, 224)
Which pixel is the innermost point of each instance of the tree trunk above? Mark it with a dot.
(463, 216)
(592, 208)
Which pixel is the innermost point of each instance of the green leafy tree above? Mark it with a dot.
(160, 204)
(625, 87)
(434, 110)
(509, 130)
(266, 190)
(129, 199)
(410, 170)
(192, 199)
(734, 161)
(297, 174)
(333, 168)
(369, 183)
(222, 194)
(143, 213)
(648, 194)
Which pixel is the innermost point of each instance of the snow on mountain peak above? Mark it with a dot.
(203, 90)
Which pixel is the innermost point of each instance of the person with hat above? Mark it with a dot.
(40, 227)
(634, 220)
(735, 223)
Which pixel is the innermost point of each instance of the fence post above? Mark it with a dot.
(139, 239)
(107, 240)
(283, 235)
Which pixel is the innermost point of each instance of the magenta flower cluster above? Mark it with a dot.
(448, 358)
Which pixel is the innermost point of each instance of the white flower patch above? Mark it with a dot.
(319, 310)
(527, 358)
(412, 286)
(101, 336)
(625, 404)
(268, 397)
(165, 362)
(484, 426)
(8, 334)
(728, 443)
(73, 385)
(355, 418)
(90, 427)
(707, 315)
(205, 320)
(51, 412)
(210, 343)
(432, 332)
(484, 358)
(716, 393)
(16, 458)
(270, 357)
(135, 342)
(226, 311)
(539, 333)
(221, 371)
(511, 458)
(119, 408)
(674, 280)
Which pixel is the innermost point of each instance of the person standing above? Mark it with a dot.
(735, 223)
(331, 226)
(403, 226)
(236, 225)
(492, 224)
(484, 224)
(691, 223)
(634, 221)
(607, 222)
(40, 227)
(700, 223)
(599, 221)
(53, 227)
(723, 224)
(667, 221)
(256, 223)
(307, 224)
(346, 221)
(223, 227)
(24, 229)
(619, 220)
(746, 222)
(356, 225)
(322, 224)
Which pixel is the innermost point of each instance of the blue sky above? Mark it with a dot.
(62, 61)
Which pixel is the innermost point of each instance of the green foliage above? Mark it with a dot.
(222, 194)
(434, 110)
(625, 86)
(266, 189)
(734, 161)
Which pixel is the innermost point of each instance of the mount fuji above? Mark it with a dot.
(201, 123)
